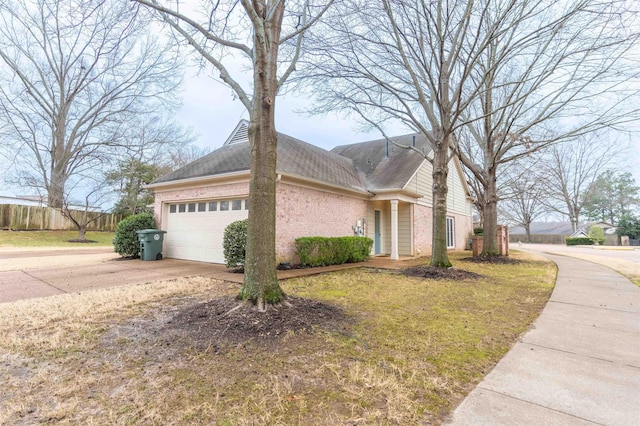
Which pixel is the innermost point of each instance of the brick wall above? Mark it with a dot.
(422, 219)
(199, 193)
(300, 212)
(305, 212)
(464, 227)
(423, 233)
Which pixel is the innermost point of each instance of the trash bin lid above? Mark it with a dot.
(150, 231)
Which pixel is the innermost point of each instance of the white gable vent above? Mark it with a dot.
(240, 133)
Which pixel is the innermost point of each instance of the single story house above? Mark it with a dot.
(371, 188)
(580, 233)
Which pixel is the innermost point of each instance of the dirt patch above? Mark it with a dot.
(494, 260)
(82, 241)
(224, 320)
(434, 273)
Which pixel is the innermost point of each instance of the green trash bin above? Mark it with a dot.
(150, 243)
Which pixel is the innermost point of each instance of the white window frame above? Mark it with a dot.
(451, 232)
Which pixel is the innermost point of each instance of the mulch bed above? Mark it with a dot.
(227, 320)
(434, 273)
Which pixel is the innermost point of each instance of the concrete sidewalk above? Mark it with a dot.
(27, 274)
(579, 364)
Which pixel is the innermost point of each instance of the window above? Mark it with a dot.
(451, 234)
(182, 208)
(172, 208)
(202, 207)
(246, 204)
(213, 206)
(224, 206)
(192, 207)
(236, 205)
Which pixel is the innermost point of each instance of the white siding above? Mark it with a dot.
(421, 183)
(456, 198)
(404, 229)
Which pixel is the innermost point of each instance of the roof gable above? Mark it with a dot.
(384, 164)
(239, 135)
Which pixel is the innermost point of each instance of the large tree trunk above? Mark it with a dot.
(260, 284)
(55, 189)
(527, 230)
(440, 257)
(490, 225)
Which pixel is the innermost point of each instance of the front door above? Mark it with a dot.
(376, 238)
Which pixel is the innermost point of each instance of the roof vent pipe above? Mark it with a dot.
(413, 143)
(386, 155)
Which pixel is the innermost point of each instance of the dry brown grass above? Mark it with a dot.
(415, 348)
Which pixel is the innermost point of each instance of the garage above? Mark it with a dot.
(195, 229)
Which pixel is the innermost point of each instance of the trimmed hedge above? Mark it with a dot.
(324, 251)
(235, 243)
(579, 241)
(126, 242)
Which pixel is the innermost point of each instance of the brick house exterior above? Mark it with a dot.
(383, 189)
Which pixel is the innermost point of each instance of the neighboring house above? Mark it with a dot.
(26, 200)
(580, 233)
(545, 228)
(608, 228)
(377, 188)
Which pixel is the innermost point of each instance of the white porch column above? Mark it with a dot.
(394, 229)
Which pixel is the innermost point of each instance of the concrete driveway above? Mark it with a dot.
(31, 273)
(42, 272)
(625, 260)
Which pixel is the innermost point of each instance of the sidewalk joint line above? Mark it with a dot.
(580, 355)
(44, 282)
(537, 405)
(593, 307)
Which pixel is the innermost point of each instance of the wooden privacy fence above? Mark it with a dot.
(538, 238)
(20, 218)
(609, 240)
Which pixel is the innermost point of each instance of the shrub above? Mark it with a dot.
(478, 231)
(125, 242)
(629, 225)
(596, 234)
(235, 243)
(323, 251)
(582, 241)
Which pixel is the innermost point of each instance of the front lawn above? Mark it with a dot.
(52, 239)
(390, 349)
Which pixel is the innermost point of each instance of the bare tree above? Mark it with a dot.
(482, 78)
(82, 214)
(410, 62)
(557, 60)
(181, 156)
(72, 74)
(523, 193)
(570, 170)
(228, 35)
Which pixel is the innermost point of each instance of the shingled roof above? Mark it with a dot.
(384, 164)
(366, 166)
(295, 158)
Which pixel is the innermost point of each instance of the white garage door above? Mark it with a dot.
(195, 229)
